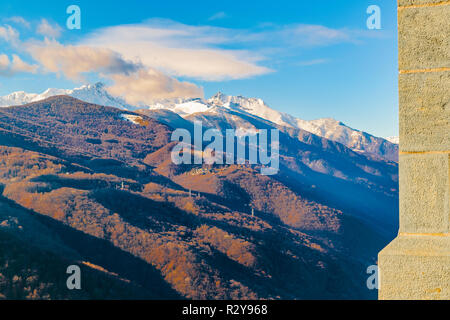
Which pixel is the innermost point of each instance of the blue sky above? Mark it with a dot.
(308, 58)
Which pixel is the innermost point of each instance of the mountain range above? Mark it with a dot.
(95, 186)
(329, 128)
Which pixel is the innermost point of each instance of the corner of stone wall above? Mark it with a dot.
(416, 265)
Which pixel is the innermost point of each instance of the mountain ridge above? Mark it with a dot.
(329, 128)
(92, 93)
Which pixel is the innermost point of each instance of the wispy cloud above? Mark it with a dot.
(49, 30)
(292, 36)
(9, 34)
(312, 62)
(313, 35)
(218, 16)
(18, 21)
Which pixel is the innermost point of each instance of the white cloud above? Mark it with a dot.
(204, 52)
(180, 50)
(17, 65)
(147, 86)
(142, 60)
(137, 84)
(73, 61)
(48, 30)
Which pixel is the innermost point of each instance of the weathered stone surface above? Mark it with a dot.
(403, 3)
(415, 267)
(424, 40)
(424, 193)
(425, 111)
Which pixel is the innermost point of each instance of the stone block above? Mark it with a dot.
(424, 40)
(424, 193)
(402, 3)
(425, 111)
(415, 267)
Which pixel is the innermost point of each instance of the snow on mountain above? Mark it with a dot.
(184, 108)
(19, 98)
(132, 118)
(358, 141)
(95, 93)
(222, 104)
(328, 128)
(395, 140)
(253, 106)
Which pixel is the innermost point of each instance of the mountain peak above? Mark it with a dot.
(96, 86)
(99, 85)
(218, 94)
(218, 98)
(92, 93)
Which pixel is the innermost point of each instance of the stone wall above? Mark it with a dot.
(416, 265)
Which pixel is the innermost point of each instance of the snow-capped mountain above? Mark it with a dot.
(21, 97)
(95, 93)
(359, 141)
(223, 104)
(328, 128)
(253, 106)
